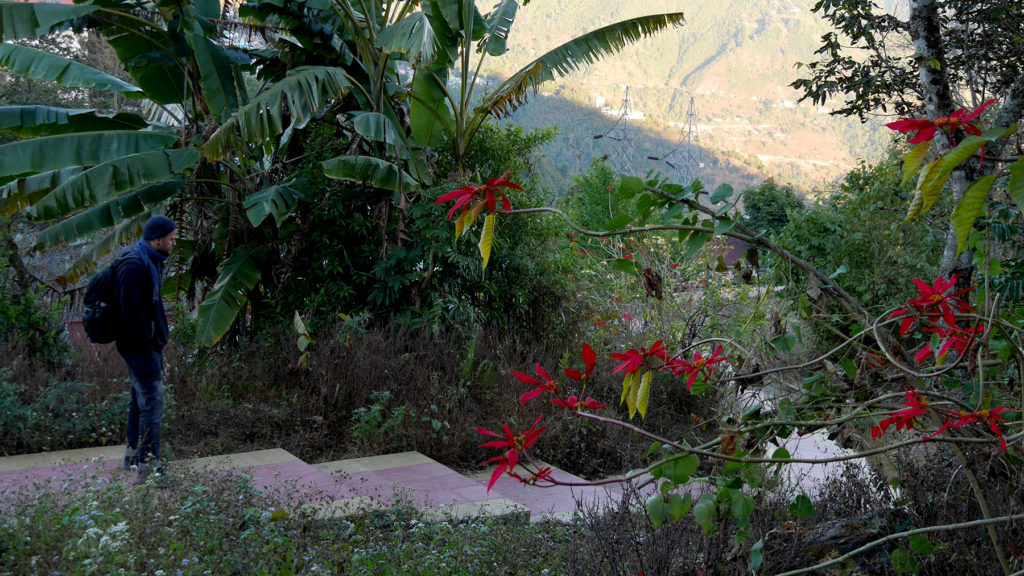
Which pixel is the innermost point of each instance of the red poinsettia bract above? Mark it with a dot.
(699, 366)
(489, 192)
(926, 129)
(916, 406)
(574, 403)
(589, 360)
(633, 360)
(540, 386)
(933, 302)
(512, 444)
(962, 418)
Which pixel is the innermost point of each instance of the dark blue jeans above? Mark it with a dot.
(146, 409)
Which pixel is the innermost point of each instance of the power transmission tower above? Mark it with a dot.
(623, 133)
(685, 157)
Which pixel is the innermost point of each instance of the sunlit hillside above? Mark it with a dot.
(735, 60)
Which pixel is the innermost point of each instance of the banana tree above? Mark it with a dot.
(84, 173)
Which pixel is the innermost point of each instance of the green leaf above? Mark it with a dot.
(619, 222)
(643, 394)
(679, 506)
(499, 24)
(694, 243)
(678, 470)
(624, 265)
(920, 544)
(1016, 184)
(32, 19)
(107, 214)
(966, 211)
(850, 367)
(24, 192)
(39, 65)
(723, 192)
(573, 55)
(160, 74)
(723, 225)
(238, 276)
(903, 562)
(487, 238)
(87, 149)
(629, 187)
(429, 116)
(216, 76)
(704, 512)
(784, 343)
(300, 328)
(124, 233)
(756, 556)
(298, 97)
(657, 509)
(412, 36)
(277, 201)
(742, 506)
(32, 121)
(654, 448)
(110, 179)
(802, 507)
(912, 161)
(369, 170)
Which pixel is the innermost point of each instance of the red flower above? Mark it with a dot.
(992, 416)
(467, 194)
(904, 419)
(956, 337)
(514, 444)
(541, 386)
(589, 359)
(700, 365)
(628, 318)
(933, 302)
(573, 403)
(949, 124)
(533, 478)
(632, 360)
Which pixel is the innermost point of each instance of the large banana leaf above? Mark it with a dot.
(124, 233)
(571, 56)
(38, 65)
(412, 36)
(107, 214)
(217, 77)
(499, 24)
(86, 149)
(24, 192)
(301, 94)
(31, 19)
(430, 118)
(110, 179)
(378, 127)
(369, 170)
(238, 275)
(149, 56)
(32, 121)
(276, 201)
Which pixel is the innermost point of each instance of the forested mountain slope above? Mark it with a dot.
(734, 58)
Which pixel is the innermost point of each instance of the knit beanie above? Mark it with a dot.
(157, 227)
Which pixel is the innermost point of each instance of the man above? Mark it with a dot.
(141, 339)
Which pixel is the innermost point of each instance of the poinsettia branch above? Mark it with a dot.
(905, 534)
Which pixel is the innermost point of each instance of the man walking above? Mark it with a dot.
(141, 339)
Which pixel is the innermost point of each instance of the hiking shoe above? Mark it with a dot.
(131, 459)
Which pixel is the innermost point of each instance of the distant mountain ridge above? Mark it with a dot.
(734, 58)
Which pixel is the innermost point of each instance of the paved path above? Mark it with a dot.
(335, 488)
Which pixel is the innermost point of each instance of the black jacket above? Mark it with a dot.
(143, 328)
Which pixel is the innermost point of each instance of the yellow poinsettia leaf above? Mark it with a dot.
(487, 238)
(643, 394)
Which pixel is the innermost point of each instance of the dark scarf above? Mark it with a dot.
(154, 261)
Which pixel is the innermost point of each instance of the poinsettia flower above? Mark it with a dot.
(512, 444)
(699, 366)
(534, 477)
(926, 129)
(993, 417)
(589, 359)
(956, 338)
(962, 418)
(933, 301)
(916, 406)
(541, 386)
(633, 360)
(573, 403)
(489, 192)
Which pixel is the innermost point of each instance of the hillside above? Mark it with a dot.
(735, 59)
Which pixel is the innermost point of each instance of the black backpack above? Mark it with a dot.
(101, 315)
